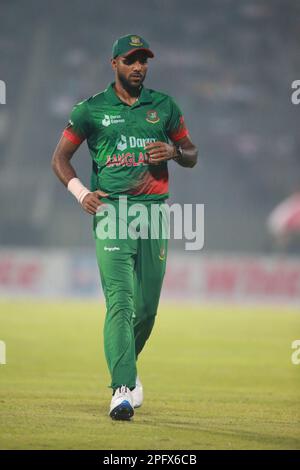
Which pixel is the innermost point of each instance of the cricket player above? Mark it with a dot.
(131, 132)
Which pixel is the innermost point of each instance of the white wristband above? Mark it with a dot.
(77, 189)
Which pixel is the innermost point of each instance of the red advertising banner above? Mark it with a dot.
(198, 278)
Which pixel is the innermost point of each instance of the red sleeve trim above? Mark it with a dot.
(72, 137)
(179, 135)
(181, 131)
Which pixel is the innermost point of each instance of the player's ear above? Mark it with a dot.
(113, 63)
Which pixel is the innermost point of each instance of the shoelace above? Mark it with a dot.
(123, 390)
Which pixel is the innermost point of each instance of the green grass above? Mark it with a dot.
(215, 378)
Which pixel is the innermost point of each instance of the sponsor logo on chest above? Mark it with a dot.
(108, 119)
(112, 119)
(133, 142)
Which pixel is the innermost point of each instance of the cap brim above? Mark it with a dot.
(144, 49)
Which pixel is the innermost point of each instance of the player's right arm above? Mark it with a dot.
(61, 160)
(62, 167)
(78, 129)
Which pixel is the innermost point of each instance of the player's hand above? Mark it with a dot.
(92, 201)
(159, 152)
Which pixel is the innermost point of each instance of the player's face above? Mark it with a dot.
(131, 70)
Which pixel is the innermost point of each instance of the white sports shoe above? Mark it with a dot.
(137, 394)
(121, 406)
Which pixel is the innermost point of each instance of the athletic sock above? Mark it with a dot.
(114, 390)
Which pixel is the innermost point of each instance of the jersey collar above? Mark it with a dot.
(112, 97)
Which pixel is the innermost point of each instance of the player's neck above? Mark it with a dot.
(128, 95)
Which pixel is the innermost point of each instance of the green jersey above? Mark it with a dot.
(116, 135)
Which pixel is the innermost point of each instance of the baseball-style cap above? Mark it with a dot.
(126, 45)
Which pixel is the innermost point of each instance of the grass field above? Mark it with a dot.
(215, 378)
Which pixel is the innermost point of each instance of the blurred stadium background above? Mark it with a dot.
(230, 65)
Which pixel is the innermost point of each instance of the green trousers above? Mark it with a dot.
(132, 271)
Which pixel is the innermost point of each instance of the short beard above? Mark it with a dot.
(131, 89)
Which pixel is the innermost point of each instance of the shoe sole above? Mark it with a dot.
(122, 412)
(140, 402)
(137, 406)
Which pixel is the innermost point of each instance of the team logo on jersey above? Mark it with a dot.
(135, 41)
(152, 117)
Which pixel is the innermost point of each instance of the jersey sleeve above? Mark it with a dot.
(176, 128)
(77, 129)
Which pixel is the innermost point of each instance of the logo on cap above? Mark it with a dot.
(135, 41)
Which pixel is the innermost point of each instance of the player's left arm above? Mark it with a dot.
(183, 151)
(186, 152)
(180, 148)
